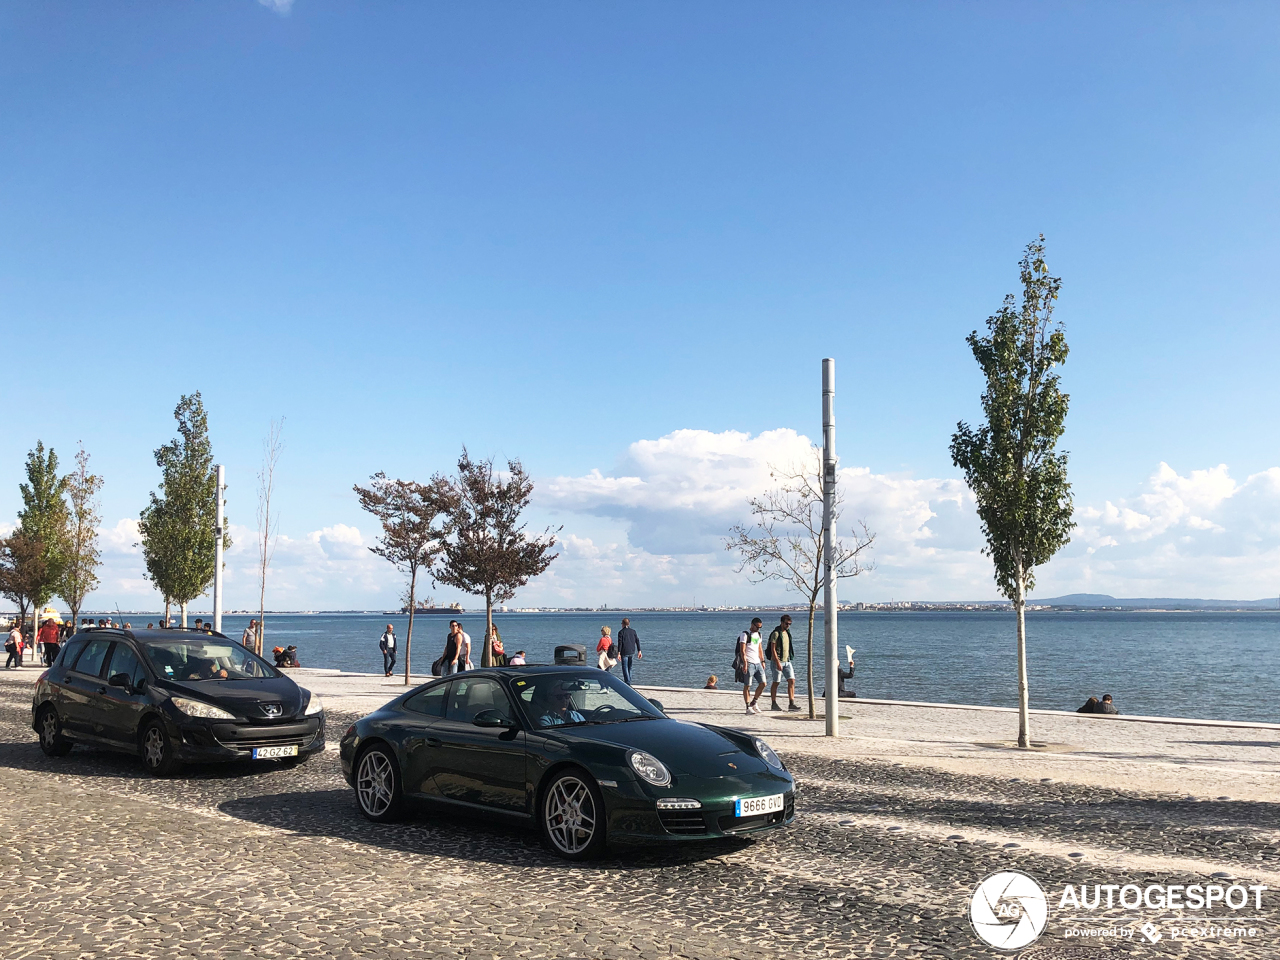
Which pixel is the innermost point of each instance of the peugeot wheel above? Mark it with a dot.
(572, 816)
(378, 792)
(159, 755)
(52, 742)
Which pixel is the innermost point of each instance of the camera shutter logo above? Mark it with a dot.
(1008, 910)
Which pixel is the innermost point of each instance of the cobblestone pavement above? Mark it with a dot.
(262, 861)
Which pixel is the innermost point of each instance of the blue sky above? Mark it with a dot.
(557, 231)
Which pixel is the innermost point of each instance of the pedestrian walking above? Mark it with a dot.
(387, 644)
(628, 649)
(49, 641)
(750, 655)
(250, 636)
(779, 655)
(13, 647)
(605, 659)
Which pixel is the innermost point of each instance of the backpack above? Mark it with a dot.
(739, 668)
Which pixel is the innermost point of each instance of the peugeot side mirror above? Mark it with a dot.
(120, 680)
(492, 718)
(658, 704)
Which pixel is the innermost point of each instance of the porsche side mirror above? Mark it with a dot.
(492, 718)
(120, 680)
(658, 704)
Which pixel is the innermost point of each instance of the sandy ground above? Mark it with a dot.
(1190, 758)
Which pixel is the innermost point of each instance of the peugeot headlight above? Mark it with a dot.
(767, 755)
(198, 708)
(314, 706)
(649, 768)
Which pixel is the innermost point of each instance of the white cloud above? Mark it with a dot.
(281, 7)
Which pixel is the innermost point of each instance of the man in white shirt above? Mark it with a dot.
(749, 654)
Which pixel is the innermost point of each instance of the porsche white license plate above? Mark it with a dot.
(754, 806)
(267, 753)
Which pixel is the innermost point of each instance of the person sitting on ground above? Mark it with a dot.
(517, 659)
(1106, 706)
(291, 656)
(1090, 706)
(277, 654)
(711, 683)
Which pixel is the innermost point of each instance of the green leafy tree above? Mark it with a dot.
(489, 554)
(1010, 462)
(177, 526)
(22, 570)
(79, 574)
(43, 518)
(413, 517)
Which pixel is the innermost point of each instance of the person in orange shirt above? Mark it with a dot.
(48, 638)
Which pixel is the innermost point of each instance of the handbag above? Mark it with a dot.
(437, 667)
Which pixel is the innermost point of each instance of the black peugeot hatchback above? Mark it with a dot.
(172, 696)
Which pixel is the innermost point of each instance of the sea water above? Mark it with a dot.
(1222, 666)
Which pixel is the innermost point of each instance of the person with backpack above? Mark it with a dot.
(783, 669)
(749, 664)
(387, 644)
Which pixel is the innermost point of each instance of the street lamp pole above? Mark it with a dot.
(220, 473)
(829, 543)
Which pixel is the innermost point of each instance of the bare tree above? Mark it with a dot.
(786, 540)
(413, 519)
(79, 574)
(489, 554)
(268, 525)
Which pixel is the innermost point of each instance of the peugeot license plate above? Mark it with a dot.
(754, 806)
(267, 753)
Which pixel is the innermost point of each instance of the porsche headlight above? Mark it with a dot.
(649, 768)
(314, 706)
(198, 708)
(767, 755)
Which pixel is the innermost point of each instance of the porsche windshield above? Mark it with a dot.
(568, 699)
(205, 660)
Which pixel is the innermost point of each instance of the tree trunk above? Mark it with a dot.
(1024, 720)
(813, 715)
(167, 605)
(184, 614)
(486, 657)
(408, 636)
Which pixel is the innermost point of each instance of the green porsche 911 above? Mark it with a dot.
(570, 749)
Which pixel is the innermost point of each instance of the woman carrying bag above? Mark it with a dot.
(607, 657)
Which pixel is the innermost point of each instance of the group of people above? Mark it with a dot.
(753, 652)
(1094, 705)
(624, 652)
(457, 651)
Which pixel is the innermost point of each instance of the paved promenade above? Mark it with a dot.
(898, 820)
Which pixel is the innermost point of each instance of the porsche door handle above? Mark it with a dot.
(434, 742)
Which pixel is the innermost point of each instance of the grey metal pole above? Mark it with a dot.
(220, 472)
(828, 543)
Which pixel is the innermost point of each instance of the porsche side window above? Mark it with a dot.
(469, 697)
(429, 701)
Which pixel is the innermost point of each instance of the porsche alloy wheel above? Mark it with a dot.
(378, 785)
(573, 816)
